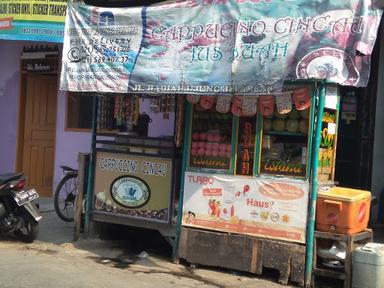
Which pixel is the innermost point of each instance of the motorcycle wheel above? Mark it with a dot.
(30, 230)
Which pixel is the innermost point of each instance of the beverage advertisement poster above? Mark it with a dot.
(259, 206)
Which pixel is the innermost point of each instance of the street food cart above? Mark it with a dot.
(260, 117)
(137, 160)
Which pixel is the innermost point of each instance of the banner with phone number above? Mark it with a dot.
(218, 47)
(34, 20)
(260, 206)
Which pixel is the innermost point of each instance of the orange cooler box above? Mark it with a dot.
(343, 210)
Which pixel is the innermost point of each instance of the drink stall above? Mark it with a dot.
(259, 120)
(248, 173)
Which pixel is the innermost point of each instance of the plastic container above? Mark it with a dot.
(343, 210)
(368, 266)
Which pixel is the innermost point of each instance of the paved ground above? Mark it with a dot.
(55, 261)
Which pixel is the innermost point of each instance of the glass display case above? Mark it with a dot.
(284, 146)
(211, 139)
(275, 140)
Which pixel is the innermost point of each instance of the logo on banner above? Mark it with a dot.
(130, 191)
(328, 63)
(103, 18)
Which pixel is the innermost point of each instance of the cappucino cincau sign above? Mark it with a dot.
(133, 185)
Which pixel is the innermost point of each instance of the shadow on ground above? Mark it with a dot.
(146, 251)
(140, 250)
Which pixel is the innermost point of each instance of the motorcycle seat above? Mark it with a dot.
(5, 178)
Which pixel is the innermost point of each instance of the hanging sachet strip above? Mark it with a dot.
(193, 99)
(249, 106)
(284, 102)
(207, 102)
(223, 104)
(301, 98)
(266, 105)
(236, 106)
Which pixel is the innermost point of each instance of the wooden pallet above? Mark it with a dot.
(243, 253)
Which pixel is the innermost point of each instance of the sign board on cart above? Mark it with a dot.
(136, 186)
(259, 206)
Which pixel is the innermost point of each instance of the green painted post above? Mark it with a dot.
(313, 197)
(187, 128)
(235, 131)
(311, 127)
(90, 168)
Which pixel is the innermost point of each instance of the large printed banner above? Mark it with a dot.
(37, 20)
(266, 207)
(223, 47)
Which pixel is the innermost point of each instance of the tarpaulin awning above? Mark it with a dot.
(218, 47)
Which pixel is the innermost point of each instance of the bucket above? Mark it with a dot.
(368, 266)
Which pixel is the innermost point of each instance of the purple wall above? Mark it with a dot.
(9, 100)
(159, 126)
(68, 144)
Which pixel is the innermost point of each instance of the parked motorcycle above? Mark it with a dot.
(18, 214)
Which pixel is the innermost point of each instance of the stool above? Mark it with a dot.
(351, 241)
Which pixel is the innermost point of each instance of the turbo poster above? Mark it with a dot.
(260, 206)
(35, 20)
(218, 47)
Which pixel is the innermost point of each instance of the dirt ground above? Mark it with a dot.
(54, 260)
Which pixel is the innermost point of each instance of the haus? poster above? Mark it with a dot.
(259, 206)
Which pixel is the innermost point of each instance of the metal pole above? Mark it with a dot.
(187, 121)
(313, 197)
(90, 180)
